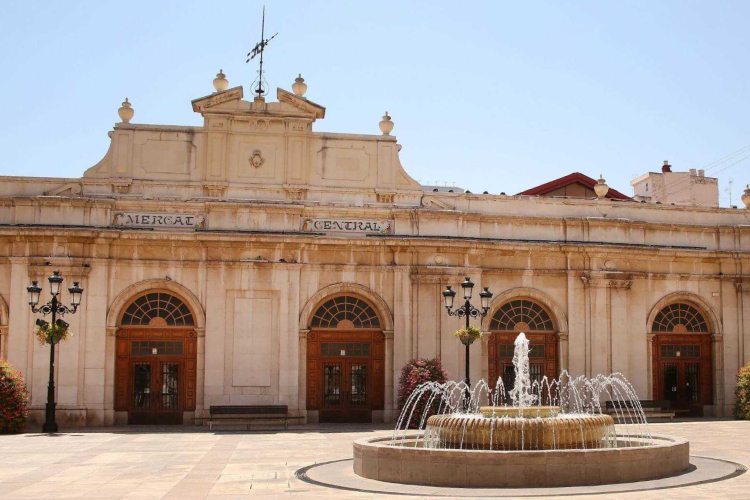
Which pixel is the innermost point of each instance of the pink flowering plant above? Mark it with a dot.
(415, 373)
(13, 409)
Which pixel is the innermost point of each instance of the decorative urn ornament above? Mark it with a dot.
(126, 112)
(299, 87)
(386, 125)
(746, 196)
(601, 189)
(220, 82)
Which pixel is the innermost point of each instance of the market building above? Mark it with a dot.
(254, 261)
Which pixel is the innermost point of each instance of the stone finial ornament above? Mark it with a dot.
(299, 87)
(220, 82)
(386, 125)
(746, 196)
(126, 112)
(601, 189)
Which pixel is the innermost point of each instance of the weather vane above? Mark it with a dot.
(259, 48)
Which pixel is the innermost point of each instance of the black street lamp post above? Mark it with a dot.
(55, 308)
(467, 311)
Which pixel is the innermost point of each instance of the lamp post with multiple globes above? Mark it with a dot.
(467, 310)
(54, 307)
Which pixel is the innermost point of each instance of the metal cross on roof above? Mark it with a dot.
(259, 48)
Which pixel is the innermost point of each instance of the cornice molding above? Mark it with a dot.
(623, 283)
(70, 268)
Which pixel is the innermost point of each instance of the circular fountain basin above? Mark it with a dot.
(513, 428)
(519, 412)
(407, 462)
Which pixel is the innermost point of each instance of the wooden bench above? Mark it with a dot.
(249, 414)
(660, 408)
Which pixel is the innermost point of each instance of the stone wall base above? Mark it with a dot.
(67, 416)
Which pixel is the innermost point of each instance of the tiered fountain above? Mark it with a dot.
(539, 433)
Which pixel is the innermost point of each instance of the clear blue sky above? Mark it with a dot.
(496, 95)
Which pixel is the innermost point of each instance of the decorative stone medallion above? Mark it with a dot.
(257, 160)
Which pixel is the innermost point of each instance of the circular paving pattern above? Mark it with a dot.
(339, 474)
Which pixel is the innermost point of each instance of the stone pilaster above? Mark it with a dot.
(743, 320)
(650, 364)
(389, 377)
(4, 341)
(485, 357)
(302, 372)
(563, 350)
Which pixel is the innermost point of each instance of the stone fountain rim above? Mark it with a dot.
(375, 459)
(378, 442)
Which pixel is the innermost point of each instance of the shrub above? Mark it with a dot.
(742, 394)
(415, 373)
(13, 410)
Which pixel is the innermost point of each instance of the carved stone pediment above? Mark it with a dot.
(209, 101)
(301, 103)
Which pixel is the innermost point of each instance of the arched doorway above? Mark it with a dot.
(155, 370)
(345, 360)
(681, 356)
(532, 318)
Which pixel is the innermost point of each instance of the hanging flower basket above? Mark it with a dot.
(52, 334)
(467, 336)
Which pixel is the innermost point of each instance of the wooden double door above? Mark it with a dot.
(155, 387)
(345, 375)
(155, 380)
(682, 371)
(347, 390)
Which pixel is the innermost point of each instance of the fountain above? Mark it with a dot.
(539, 433)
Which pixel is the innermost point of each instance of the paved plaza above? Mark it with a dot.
(151, 463)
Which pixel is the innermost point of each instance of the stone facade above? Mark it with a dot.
(253, 220)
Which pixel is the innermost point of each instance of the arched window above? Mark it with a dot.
(680, 318)
(530, 317)
(521, 315)
(345, 311)
(157, 309)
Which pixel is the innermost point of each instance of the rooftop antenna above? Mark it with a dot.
(729, 189)
(259, 48)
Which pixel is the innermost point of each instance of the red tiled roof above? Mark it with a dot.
(578, 177)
